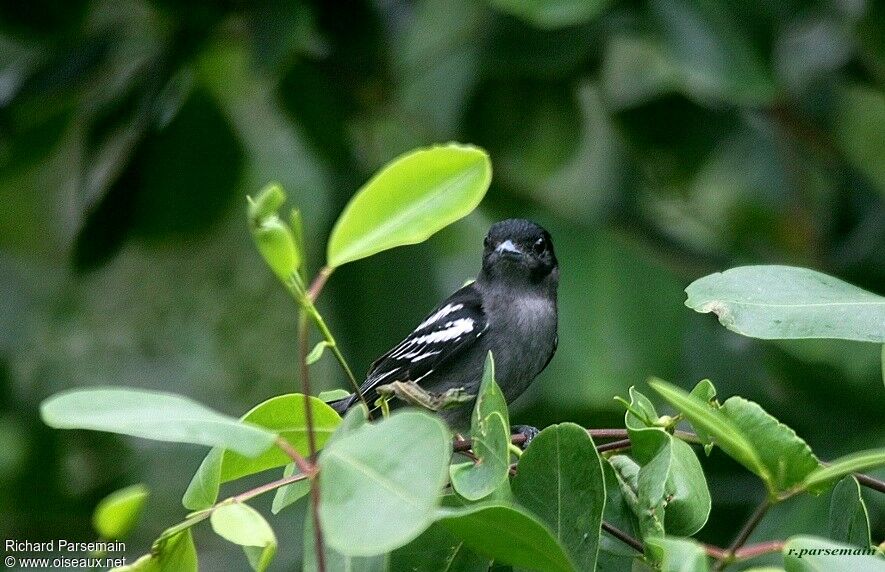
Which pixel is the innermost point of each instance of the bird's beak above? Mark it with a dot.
(508, 249)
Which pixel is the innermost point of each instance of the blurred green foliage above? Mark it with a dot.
(658, 140)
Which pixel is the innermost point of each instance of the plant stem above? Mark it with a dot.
(623, 537)
(614, 446)
(870, 482)
(303, 464)
(744, 534)
(318, 282)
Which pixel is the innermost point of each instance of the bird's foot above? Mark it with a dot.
(527, 431)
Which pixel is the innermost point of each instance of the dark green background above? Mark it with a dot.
(658, 141)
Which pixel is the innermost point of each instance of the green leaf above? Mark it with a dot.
(490, 434)
(275, 240)
(333, 395)
(176, 553)
(436, 550)
(316, 353)
(560, 480)
(787, 457)
(822, 477)
(285, 415)
(289, 494)
(152, 415)
(386, 475)
(705, 391)
(849, 521)
(552, 13)
(858, 129)
(785, 302)
(614, 555)
(117, 513)
(672, 490)
(812, 554)
(241, 524)
(677, 554)
(410, 199)
(508, 535)
(726, 434)
(335, 561)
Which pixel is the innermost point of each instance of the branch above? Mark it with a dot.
(316, 286)
(744, 534)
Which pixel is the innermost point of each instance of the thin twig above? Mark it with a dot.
(267, 487)
(759, 549)
(319, 281)
(870, 482)
(744, 534)
(614, 446)
(623, 537)
(311, 442)
(303, 464)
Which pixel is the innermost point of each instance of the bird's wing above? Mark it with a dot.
(453, 326)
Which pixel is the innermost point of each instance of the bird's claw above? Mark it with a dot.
(527, 431)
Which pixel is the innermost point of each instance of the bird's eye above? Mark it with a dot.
(539, 246)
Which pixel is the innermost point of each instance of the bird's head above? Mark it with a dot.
(521, 252)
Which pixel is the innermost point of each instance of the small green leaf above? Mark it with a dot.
(490, 433)
(559, 478)
(285, 415)
(387, 475)
(116, 514)
(175, 553)
(241, 524)
(277, 246)
(410, 199)
(812, 554)
(152, 415)
(849, 521)
(785, 302)
(508, 535)
(705, 391)
(289, 494)
(822, 477)
(265, 204)
(620, 505)
(316, 353)
(333, 395)
(552, 13)
(677, 554)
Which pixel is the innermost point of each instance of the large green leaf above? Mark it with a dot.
(490, 435)
(285, 415)
(508, 535)
(855, 462)
(849, 521)
(812, 554)
(620, 501)
(748, 434)
(385, 476)
(241, 524)
(436, 550)
(785, 302)
(788, 458)
(726, 434)
(552, 13)
(289, 494)
(117, 513)
(335, 561)
(677, 554)
(153, 415)
(410, 199)
(559, 478)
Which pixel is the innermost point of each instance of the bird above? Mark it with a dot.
(510, 309)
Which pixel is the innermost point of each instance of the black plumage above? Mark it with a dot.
(510, 309)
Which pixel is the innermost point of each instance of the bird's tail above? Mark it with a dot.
(342, 405)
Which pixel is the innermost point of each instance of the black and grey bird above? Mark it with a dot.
(509, 309)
